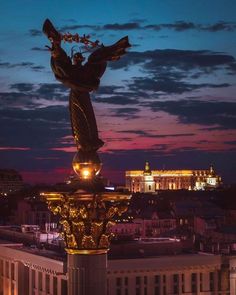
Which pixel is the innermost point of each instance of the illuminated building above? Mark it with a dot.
(42, 272)
(10, 181)
(148, 180)
(24, 271)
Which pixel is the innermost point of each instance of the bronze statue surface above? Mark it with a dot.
(82, 79)
(86, 212)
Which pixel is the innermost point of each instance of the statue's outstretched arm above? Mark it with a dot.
(60, 62)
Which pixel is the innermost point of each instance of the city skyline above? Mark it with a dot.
(170, 100)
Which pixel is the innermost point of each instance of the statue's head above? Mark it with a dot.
(78, 58)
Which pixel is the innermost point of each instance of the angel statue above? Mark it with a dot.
(82, 78)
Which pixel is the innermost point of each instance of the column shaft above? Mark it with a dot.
(86, 274)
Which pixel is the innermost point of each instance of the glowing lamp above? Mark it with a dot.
(86, 165)
(86, 173)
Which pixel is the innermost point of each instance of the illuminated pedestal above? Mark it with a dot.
(86, 220)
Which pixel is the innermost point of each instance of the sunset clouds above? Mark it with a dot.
(170, 100)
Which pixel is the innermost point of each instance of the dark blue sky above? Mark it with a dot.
(171, 100)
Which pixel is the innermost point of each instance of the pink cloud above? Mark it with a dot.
(10, 148)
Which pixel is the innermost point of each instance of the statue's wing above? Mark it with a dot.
(118, 49)
(110, 53)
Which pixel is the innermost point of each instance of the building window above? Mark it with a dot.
(157, 285)
(176, 278)
(126, 281)
(118, 282)
(176, 283)
(47, 283)
(138, 291)
(145, 280)
(1, 285)
(145, 291)
(126, 292)
(219, 273)
(157, 279)
(63, 287)
(1, 267)
(157, 290)
(211, 281)
(176, 289)
(40, 281)
(12, 288)
(54, 285)
(194, 282)
(12, 271)
(201, 280)
(118, 285)
(164, 284)
(7, 269)
(138, 280)
(33, 278)
(183, 288)
(164, 290)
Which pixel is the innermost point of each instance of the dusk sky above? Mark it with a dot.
(170, 100)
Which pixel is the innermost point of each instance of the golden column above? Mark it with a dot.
(86, 211)
(86, 220)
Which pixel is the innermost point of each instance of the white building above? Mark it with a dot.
(26, 271)
(180, 274)
(149, 181)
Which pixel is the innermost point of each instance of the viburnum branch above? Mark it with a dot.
(85, 39)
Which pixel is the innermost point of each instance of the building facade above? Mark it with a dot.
(180, 274)
(147, 180)
(10, 181)
(24, 272)
(153, 226)
(33, 212)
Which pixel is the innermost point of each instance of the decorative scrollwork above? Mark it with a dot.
(86, 223)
